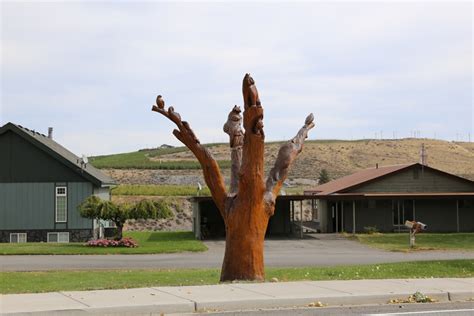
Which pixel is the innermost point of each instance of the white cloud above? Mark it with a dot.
(356, 66)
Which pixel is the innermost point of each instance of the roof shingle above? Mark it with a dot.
(354, 179)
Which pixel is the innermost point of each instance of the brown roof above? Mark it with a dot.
(407, 195)
(357, 178)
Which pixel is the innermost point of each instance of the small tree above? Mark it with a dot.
(324, 176)
(95, 208)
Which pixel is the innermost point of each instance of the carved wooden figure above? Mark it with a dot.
(250, 201)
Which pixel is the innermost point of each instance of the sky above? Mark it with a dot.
(92, 70)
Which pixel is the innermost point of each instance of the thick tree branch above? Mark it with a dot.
(286, 155)
(233, 127)
(252, 168)
(210, 168)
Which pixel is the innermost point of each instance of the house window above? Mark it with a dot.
(58, 237)
(17, 237)
(61, 204)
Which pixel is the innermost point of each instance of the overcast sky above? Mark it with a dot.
(92, 70)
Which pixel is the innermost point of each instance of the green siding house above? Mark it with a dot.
(386, 197)
(41, 186)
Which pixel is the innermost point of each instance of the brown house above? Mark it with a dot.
(385, 197)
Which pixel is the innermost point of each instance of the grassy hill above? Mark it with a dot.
(149, 159)
(338, 157)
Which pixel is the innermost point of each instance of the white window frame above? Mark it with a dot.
(56, 202)
(18, 237)
(57, 237)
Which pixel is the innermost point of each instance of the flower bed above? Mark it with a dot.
(125, 242)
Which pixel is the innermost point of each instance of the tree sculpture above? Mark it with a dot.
(250, 201)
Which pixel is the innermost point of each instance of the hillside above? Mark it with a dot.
(338, 157)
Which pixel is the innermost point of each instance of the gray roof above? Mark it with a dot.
(60, 153)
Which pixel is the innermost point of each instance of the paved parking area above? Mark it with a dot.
(323, 250)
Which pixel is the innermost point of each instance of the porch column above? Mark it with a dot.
(353, 217)
(414, 212)
(457, 215)
(398, 210)
(292, 208)
(337, 217)
(301, 219)
(342, 216)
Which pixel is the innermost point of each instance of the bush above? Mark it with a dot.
(125, 242)
(371, 230)
(163, 209)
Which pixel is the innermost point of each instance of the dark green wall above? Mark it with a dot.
(21, 161)
(27, 206)
(213, 225)
(438, 214)
(279, 223)
(427, 181)
(466, 216)
(32, 206)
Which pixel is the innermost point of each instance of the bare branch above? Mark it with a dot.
(210, 167)
(233, 127)
(286, 155)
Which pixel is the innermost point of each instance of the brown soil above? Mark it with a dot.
(339, 158)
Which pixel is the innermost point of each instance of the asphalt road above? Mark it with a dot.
(326, 250)
(433, 309)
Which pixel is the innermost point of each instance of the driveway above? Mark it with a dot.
(324, 250)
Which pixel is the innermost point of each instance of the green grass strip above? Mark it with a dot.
(49, 281)
(159, 190)
(141, 160)
(424, 241)
(175, 190)
(149, 243)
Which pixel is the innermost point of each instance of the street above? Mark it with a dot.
(432, 309)
(325, 250)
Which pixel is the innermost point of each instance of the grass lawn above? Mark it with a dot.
(424, 241)
(159, 190)
(141, 160)
(148, 242)
(49, 281)
(175, 190)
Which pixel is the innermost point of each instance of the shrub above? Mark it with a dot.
(163, 209)
(371, 230)
(125, 242)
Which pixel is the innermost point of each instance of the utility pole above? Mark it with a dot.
(423, 155)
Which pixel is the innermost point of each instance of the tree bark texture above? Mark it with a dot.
(250, 201)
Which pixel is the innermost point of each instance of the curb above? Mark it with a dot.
(249, 304)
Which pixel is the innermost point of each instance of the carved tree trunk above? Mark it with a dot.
(250, 202)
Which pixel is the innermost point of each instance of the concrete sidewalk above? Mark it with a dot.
(235, 296)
